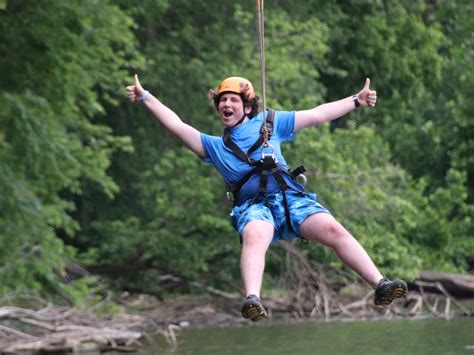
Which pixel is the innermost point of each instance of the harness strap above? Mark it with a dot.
(262, 189)
(229, 143)
(267, 126)
(235, 188)
(298, 171)
(283, 186)
(268, 164)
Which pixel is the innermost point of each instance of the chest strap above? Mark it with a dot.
(229, 143)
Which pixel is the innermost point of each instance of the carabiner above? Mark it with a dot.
(272, 154)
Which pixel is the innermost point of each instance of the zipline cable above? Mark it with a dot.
(261, 37)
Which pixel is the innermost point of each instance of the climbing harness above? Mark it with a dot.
(267, 165)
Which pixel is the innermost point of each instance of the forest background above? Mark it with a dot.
(96, 196)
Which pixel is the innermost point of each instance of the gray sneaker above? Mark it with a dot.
(386, 291)
(253, 309)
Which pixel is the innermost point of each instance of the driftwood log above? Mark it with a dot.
(461, 286)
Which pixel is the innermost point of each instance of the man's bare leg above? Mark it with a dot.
(257, 236)
(323, 228)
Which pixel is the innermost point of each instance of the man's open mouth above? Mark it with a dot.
(227, 113)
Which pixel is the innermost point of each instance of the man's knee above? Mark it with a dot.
(335, 230)
(337, 235)
(257, 233)
(325, 229)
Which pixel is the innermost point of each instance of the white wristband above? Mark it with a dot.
(144, 96)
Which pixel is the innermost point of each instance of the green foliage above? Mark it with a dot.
(172, 236)
(441, 230)
(64, 63)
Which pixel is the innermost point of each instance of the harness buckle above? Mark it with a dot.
(270, 154)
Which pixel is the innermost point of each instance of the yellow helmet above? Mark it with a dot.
(237, 85)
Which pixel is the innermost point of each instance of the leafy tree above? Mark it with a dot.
(64, 62)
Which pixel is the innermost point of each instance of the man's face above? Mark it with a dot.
(231, 109)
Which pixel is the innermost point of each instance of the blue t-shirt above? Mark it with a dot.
(245, 135)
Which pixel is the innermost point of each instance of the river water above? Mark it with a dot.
(396, 336)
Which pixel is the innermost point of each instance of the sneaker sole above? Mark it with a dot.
(254, 313)
(397, 291)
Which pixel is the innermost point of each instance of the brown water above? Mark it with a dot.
(403, 336)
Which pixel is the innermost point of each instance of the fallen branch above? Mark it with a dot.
(15, 332)
(449, 298)
(59, 329)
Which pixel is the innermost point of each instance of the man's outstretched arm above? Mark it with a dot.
(187, 134)
(333, 110)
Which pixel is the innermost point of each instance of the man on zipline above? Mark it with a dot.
(269, 205)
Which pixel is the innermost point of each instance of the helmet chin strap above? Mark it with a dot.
(239, 121)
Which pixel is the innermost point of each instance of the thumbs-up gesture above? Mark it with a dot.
(366, 96)
(134, 92)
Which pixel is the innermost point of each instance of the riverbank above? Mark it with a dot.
(120, 323)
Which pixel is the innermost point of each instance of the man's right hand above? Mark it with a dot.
(134, 92)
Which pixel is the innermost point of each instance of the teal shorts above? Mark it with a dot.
(301, 205)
